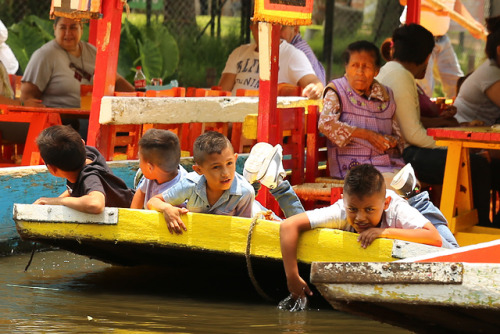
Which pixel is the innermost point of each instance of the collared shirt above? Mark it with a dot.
(151, 188)
(302, 45)
(236, 201)
(399, 214)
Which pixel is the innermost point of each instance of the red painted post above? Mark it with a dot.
(93, 32)
(267, 120)
(413, 11)
(107, 44)
(268, 89)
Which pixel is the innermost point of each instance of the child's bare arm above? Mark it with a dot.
(138, 200)
(290, 230)
(171, 213)
(425, 235)
(65, 194)
(93, 202)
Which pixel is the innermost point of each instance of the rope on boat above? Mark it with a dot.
(248, 260)
(31, 257)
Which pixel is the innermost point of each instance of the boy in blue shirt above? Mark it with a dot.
(159, 158)
(216, 188)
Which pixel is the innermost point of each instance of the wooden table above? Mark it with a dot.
(38, 119)
(456, 200)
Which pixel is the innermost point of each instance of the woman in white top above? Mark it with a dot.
(412, 47)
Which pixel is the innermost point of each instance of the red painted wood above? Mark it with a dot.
(267, 130)
(39, 121)
(413, 12)
(489, 254)
(472, 134)
(268, 90)
(107, 44)
(93, 32)
(312, 144)
(22, 110)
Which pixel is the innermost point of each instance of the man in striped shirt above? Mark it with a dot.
(292, 35)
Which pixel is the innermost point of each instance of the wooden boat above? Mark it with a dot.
(28, 183)
(450, 291)
(211, 242)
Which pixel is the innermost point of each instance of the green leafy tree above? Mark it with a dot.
(154, 48)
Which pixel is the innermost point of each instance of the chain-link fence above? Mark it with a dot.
(206, 31)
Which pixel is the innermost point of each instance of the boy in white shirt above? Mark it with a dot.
(368, 209)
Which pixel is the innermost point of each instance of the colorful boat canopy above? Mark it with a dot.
(76, 9)
(284, 12)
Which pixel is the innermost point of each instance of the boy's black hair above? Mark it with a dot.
(493, 39)
(161, 148)
(363, 180)
(412, 43)
(208, 143)
(360, 46)
(61, 146)
(386, 49)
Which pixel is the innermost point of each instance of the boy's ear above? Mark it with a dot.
(235, 156)
(387, 202)
(52, 169)
(83, 141)
(197, 169)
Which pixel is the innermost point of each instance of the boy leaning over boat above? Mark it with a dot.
(90, 183)
(366, 208)
(215, 188)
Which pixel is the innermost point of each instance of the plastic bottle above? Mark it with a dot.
(139, 80)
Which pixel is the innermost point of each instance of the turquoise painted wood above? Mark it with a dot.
(27, 184)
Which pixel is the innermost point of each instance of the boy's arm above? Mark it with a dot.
(65, 194)
(290, 230)
(93, 202)
(426, 235)
(138, 200)
(171, 213)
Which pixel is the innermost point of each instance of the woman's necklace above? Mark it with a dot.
(80, 72)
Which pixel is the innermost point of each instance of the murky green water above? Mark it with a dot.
(62, 292)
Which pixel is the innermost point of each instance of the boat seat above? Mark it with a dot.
(285, 89)
(319, 187)
(324, 192)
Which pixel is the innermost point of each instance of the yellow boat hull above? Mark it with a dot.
(141, 237)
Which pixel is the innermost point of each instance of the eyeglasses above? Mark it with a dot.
(80, 73)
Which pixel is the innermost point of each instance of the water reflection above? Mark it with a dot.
(65, 293)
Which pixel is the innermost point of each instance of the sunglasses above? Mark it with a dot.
(80, 73)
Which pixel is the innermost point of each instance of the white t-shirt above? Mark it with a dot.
(472, 102)
(7, 57)
(399, 214)
(438, 25)
(244, 62)
(151, 188)
(403, 85)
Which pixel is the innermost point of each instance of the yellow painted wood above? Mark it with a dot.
(215, 233)
(250, 123)
(451, 171)
(249, 128)
(477, 235)
(482, 145)
(465, 220)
